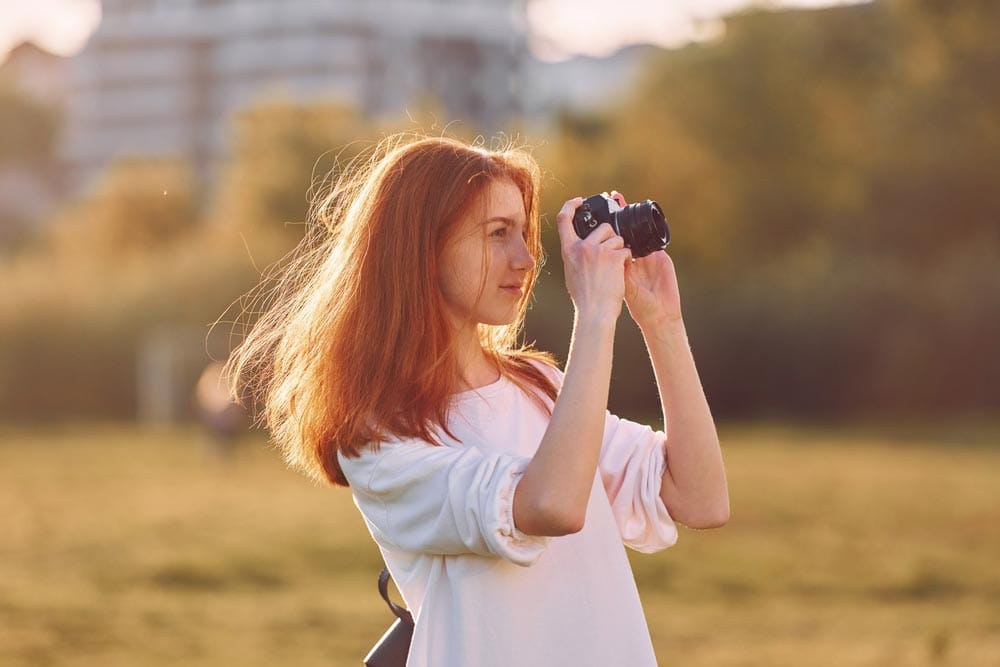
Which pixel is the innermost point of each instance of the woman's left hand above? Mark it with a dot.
(651, 292)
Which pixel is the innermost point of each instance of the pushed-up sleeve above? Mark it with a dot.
(632, 462)
(442, 500)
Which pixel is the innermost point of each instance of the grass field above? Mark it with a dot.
(846, 547)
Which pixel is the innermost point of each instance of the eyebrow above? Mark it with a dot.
(500, 218)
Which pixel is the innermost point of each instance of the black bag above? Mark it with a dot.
(391, 649)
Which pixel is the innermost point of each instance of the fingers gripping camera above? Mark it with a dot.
(642, 226)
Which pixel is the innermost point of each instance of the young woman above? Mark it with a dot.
(499, 490)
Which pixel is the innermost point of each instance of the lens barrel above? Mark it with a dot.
(643, 227)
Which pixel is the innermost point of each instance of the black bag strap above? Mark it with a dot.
(383, 588)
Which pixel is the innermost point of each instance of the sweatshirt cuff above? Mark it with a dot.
(515, 545)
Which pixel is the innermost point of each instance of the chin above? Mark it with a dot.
(497, 322)
(499, 319)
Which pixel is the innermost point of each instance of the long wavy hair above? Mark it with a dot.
(355, 346)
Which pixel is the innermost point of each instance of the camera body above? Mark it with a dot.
(641, 225)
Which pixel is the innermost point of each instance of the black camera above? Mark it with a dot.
(641, 225)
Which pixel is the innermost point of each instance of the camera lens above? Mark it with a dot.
(643, 227)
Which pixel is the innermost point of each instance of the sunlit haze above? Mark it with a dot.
(59, 26)
(564, 28)
(560, 28)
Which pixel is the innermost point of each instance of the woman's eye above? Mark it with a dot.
(500, 233)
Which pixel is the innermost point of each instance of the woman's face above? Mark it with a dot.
(497, 232)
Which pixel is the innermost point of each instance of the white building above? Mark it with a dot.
(162, 77)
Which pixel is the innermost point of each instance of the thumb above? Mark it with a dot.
(630, 286)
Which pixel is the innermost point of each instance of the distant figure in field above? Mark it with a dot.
(224, 420)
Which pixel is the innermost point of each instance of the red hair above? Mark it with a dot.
(356, 346)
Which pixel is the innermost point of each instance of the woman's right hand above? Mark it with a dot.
(594, 266)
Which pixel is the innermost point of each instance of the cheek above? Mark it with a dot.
(449, 276)
(456, 283)
(462, 272)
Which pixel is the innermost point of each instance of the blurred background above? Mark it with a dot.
(828, 172)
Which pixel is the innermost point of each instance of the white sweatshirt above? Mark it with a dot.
(484, 594)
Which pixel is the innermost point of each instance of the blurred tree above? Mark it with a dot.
(139, 207)
(827, 177)
(779, 105)
(939, 137)
(29, 177)
(283, 153)
(28, 129)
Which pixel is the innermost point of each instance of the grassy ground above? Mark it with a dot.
(845, 547)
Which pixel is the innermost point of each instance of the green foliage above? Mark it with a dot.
(283, 152)
(827, 176)
(71, 328)
(112, 266)
(140, 207)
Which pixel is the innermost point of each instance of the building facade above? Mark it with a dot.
(163, 77)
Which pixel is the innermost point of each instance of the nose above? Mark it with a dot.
(521, 258)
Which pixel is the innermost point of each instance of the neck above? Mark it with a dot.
(474, 368)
